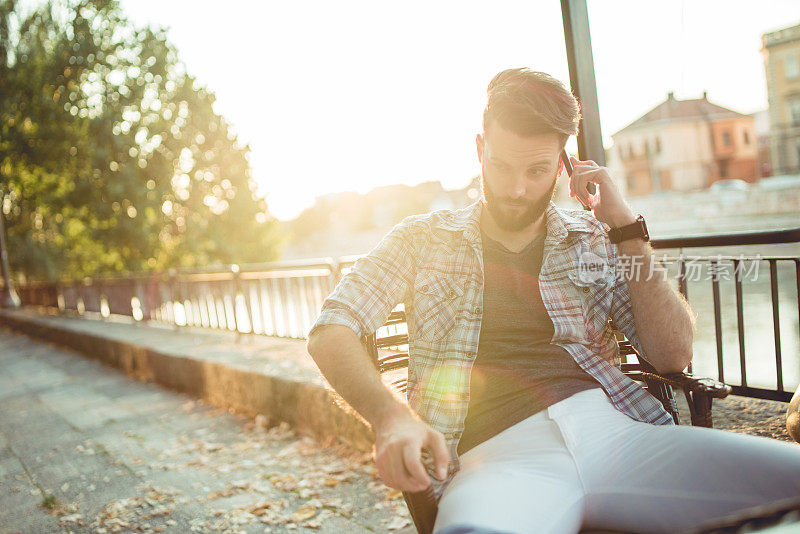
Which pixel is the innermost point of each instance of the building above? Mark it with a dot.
(764, 159)
(684, 145)
(781, 50)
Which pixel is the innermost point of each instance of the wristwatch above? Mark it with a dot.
(638, 228)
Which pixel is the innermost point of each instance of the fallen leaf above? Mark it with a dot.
(393, 494)
(303, 513)
(397, 523)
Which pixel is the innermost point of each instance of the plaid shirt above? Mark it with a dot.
(433, 263)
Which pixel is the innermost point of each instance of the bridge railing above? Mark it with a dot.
(284, 298)
(740, 271)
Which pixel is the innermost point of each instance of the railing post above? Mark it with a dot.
(797, 281)
(245, 288)
(61, 302)
(737, 275)
(683, 289)
(8, 296)
(776, 324)
(171, 302)
(237, 287)
(336, 272)
(715, 266)
(101, 297)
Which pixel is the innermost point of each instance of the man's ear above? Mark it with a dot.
(560, 164)
(479, 146)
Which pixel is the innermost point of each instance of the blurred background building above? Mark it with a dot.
(685, 145)
(781, 51)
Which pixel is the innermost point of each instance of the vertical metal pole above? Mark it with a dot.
(575, 17)
(684, 290)
(776, 322)
(8, 296)
(717, 320)
(237, 288)
(737, 274)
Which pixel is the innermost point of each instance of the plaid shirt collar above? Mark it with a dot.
(467, 221)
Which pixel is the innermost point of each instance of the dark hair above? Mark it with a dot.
(530, 102)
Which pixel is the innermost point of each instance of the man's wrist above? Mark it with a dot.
(622, 219)
(390, 412)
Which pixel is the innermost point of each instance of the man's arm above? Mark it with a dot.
(346, 366)
(359, 305)
(655, 318)
(651, 313)
(399, 433)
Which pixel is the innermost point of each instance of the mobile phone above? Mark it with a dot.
(590, 187)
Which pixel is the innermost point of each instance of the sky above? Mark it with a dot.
(351, 95)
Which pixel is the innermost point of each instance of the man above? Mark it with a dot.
(514, 385)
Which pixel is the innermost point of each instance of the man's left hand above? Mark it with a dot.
(607, 202)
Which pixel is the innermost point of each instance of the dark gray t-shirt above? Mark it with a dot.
(517, 371)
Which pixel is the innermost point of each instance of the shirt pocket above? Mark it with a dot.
(436, 304)
(594, 294)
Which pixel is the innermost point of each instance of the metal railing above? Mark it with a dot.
(716, 264)
(284, 298)
(279, 299)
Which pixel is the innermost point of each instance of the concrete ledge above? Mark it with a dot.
(277, 378)
(269, 376)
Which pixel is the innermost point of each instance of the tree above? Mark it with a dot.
(112, 158)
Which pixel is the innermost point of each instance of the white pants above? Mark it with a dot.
(582, 463)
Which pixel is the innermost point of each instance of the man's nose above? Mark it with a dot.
(516, 189)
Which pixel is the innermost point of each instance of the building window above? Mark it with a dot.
(746, 137)
(655, 179)
(723, 168)
(631, 183)
(658, 145)
(794, 109)
(790, 67)
(726, 138)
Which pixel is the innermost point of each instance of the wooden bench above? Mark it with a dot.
(699, 393)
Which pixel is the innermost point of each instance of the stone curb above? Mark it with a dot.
(309, 408)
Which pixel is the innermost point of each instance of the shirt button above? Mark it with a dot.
(424, 288)
(585, 289)
(478, 310)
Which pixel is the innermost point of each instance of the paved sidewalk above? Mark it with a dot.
(85, 448)
(254, 375)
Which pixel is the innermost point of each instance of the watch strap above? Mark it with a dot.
(638, 228)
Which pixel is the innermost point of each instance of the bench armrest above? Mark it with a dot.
(694, 384)
(699, 393)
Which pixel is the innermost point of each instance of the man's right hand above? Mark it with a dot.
(399, 441)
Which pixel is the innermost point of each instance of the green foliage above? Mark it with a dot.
(112, 158)
(49, 502)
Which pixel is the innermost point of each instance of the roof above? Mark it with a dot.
(683, 111)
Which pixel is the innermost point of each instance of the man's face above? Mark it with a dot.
(518, 175)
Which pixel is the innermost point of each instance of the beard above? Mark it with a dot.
(511, 220)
